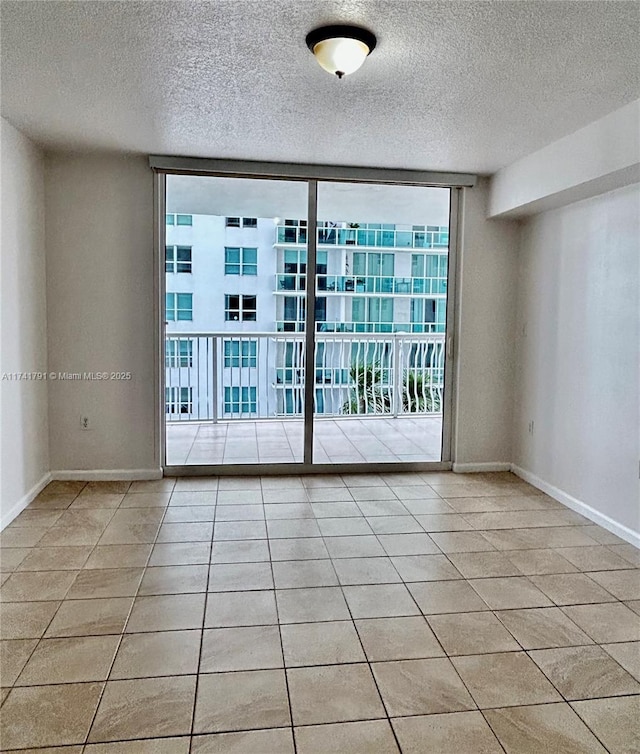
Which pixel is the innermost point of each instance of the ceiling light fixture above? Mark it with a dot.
(341, 49)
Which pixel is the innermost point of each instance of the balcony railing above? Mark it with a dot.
(228, 376)
(362, 327)
(432, 286)
(388, 239)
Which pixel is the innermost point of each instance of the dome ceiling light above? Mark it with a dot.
(341, 49)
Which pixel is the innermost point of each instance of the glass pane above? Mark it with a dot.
(239, 306)
(380, 354)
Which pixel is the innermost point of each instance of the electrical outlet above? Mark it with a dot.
(84, 422)
(531, 427)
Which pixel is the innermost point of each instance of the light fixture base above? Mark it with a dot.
(341, 49)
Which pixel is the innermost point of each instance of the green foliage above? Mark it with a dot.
(370, 394)
(417, 395)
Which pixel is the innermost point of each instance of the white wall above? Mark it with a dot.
(577, 354)
(100, 292)
(601, 157)
(24, 435)
(486, 309)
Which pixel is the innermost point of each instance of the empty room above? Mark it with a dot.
(320, 388)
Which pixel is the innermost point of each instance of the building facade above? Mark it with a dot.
(235, 314)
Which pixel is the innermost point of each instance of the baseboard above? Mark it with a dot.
(620, 530)
(106, 475)
(27, 498)
(467, 468)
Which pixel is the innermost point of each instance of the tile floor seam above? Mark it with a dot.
(202, 628)
(493, 732)
(582, 698)
(122, 631)
(589, 728)
(60, 602)
(364, 652)
(279, 624)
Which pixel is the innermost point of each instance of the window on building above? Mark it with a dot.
(428, 314)
(240, 261)
(179, 353)
(232, 222)
(177, 259)
(294, 267)
(173, 219)
(178, 307)
(179, 400)
(373, 263)
(294, 309)
(293, 401)
(249, 222)
(294, 312)
(429, 265)
(372, 314)
(240, 400)
(290, 369)
(429, 273)
(294, 231)
(240, 308)
(240, 353)
(321, 309)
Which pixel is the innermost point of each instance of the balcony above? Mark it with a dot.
(364, 284)
(377, 397)
(363, 327)
(387, 239)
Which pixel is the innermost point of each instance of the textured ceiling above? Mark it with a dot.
(466, 86)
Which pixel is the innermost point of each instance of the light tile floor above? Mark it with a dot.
(371, 614)
(372, 440)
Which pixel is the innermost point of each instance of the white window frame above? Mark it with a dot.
(242, 309)
(174, 310)
(179, 352)
(244, 268)
(244, 407)
(178, 400)
(246, 356)
(171, 259)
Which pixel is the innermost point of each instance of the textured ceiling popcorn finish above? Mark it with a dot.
(467, 86)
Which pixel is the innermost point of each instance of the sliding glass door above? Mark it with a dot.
(380, 346)
(305, 323)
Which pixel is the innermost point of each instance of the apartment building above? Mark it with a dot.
(227, 277)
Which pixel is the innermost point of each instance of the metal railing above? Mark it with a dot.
(361, 284)
(387, 239)
(229, 376)
(286, 325)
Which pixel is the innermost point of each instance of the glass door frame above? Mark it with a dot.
(312, 175)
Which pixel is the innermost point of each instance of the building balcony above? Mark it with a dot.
(377, 397)
(210, 376)
(283, 326)
(364, 284)
(347, 237)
